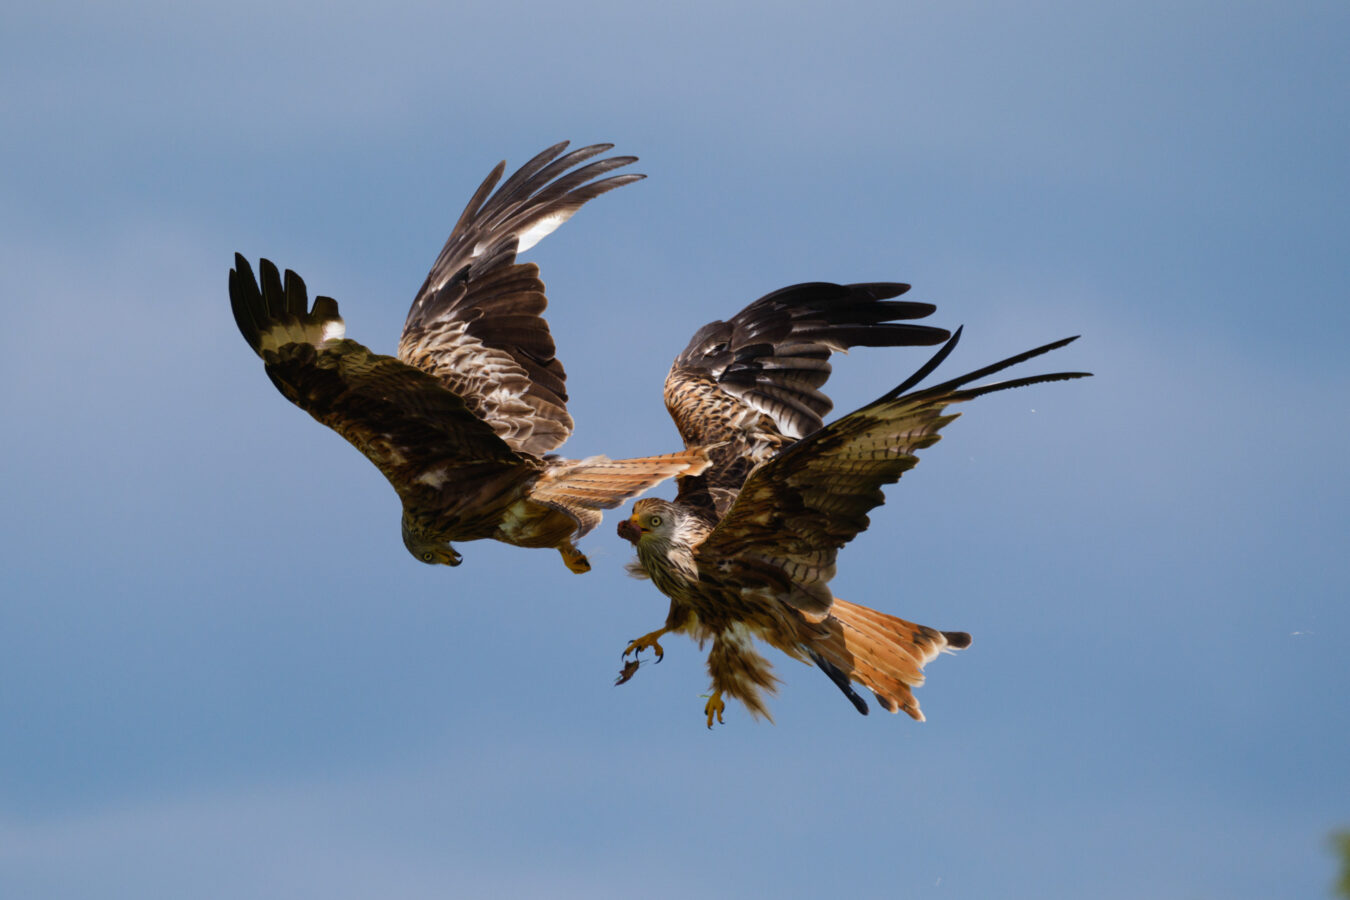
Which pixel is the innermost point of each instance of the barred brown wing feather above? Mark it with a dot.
(496, 352)
(477, 323)
(753, 382)
(773, 356)
(798, 509)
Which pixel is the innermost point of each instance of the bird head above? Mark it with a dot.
(651, 517)
(427, 549)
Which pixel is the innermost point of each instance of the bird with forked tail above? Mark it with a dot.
(748, 548)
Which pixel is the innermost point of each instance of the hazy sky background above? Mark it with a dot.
(222, 676)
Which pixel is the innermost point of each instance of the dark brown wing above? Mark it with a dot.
(752, 384)
(404, 420)
(794, 512)
(477, 324)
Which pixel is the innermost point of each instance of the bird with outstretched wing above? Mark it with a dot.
(748, 548)
(464, 419)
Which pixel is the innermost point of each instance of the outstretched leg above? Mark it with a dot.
(648, 641)
(635, 647)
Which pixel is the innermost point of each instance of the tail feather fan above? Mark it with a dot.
(883, 653)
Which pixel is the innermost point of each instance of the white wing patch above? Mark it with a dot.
(333, 330)
(526, 237)
(435, 478)
(540, 229)
(318, 334)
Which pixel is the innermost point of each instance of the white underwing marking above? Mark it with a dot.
(540, 230)
(436, 478)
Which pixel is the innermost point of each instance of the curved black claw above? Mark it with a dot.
(637, 645)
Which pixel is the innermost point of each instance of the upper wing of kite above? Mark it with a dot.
(752, 384)
(400, 417)
(477, 324)
(794, 512)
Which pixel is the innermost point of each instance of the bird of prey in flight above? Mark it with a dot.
(748, 548)
(464, 419)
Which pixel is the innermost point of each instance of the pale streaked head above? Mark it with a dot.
(652, 517)
(432, 552)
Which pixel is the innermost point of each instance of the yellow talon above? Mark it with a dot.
(648, 642)
(714, 708)
(574, 559)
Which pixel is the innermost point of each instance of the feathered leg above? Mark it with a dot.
(739, 672)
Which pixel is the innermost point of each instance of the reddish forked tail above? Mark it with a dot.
(885, 654)
(603, 483)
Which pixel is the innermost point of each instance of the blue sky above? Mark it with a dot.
(221, 675)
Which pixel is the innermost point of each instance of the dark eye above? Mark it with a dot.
(428, 556)
(655, 520)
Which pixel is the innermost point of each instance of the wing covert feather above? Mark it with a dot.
(752, 383)
(477, 322)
